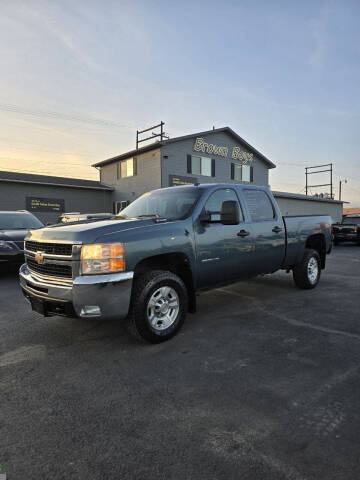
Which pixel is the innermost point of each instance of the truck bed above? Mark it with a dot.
(297, 229)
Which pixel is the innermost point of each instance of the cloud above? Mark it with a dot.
(318, 30)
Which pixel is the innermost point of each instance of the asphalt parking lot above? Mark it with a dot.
(262, 383)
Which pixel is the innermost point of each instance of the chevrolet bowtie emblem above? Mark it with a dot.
(39, 257)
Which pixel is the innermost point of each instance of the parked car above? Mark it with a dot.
(169, 244)
(14, 226)
(83, 217)
(348, 230)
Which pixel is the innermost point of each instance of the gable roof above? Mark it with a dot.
(299, 196)
(18, 177)
(155, 145)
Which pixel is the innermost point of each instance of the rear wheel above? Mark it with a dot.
(158, 305)
(307, 273)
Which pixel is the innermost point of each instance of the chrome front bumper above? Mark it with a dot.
(110, 293)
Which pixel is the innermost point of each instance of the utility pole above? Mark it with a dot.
(311, 171)
(341, 181)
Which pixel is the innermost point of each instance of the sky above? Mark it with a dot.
(79, 78)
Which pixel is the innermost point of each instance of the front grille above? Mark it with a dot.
(50, 248)
(53, 269)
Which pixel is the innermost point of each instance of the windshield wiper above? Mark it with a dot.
(156, 215)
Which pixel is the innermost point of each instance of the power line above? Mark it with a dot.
(57, 152)
(47, 161)
(61, 116)
(34, 172)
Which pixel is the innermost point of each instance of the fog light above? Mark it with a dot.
(90, 310)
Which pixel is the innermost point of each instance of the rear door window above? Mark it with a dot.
(259, 205)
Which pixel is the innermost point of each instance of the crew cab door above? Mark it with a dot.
(267, 228)
(221, 254)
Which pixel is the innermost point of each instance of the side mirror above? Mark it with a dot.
(205, 217)
(230, 213)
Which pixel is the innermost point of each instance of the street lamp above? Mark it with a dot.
(341, 181)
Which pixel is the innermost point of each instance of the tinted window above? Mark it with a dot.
(19, 221)
(214, 202)
(351, 220)
(259, 205)
(173, 204)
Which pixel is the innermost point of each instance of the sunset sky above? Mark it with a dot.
(79, 77)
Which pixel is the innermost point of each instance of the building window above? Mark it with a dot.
(241, 173)
(201, 166)
(126, 168)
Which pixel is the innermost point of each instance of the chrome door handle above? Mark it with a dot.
(243, 233)
(277, 229)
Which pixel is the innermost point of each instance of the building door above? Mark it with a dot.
(222, 255)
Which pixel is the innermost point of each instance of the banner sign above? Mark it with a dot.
(35, 204)
(176, 180)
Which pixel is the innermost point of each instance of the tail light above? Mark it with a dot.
(356, 228)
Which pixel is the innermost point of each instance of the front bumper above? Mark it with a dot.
(110, 293)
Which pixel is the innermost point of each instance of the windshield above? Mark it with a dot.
(174, 204)
(351, 220)
(19, 221)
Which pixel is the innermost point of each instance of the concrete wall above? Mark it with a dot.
(148, 177)
(292, 206)
(176, 163)
(13, 197)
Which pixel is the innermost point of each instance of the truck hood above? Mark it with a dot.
(88, 232)
(13, 235)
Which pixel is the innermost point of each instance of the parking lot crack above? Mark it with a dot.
(291, 321)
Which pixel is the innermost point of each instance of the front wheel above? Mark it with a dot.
(307, 273)
(158, 305)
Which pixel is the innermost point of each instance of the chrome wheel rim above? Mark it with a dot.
(163, 308)
(313, 270)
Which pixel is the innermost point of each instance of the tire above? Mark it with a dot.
(153, 312)
(307, 273)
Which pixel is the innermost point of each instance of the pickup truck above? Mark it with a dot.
(149, 262)
(348, 230)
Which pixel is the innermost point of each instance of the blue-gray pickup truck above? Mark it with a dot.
(148, 263)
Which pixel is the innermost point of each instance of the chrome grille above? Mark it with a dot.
(52, 269)
(63, 249)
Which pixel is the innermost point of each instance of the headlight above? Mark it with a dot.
(102, 258)
(6, 246)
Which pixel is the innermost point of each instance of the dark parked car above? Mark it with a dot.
(83, 217)
(14, 226)
(149, 262)
(348, 230)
